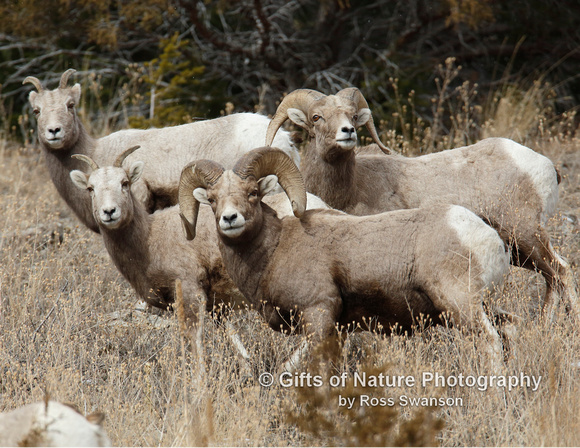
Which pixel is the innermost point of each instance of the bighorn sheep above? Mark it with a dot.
(51, 423)
(511, 187)
(166, 150)
(329, 267)
(149, 249)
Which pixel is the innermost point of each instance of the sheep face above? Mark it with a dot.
(110, 190)
(235, 195)
(236, 204)
(58, 124)
(333, 122)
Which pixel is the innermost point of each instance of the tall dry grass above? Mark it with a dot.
(69, 327)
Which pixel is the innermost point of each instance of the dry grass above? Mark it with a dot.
(69, 326)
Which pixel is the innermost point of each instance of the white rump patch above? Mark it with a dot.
(483, 243)
(542, 172)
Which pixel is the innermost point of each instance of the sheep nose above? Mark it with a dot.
(54, 131)
(109, 212)
(348, 129)
(230, 218)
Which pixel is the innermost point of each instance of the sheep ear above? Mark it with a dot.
(298, 117)
(364, 115)
(80, 179)
(267, 184)
(135, 171)
(201, 195)
(76, 92)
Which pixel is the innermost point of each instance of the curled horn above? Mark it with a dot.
(34, 81)
(353, 94)
(261, 162)
(64, 78)
(90, 162)
(202, 173)
(299, 99)
(119, 161)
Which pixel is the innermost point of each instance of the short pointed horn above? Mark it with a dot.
(90, 162)
(64, 78)
(261, 162)
(202, 173)
(120, 159)
(353, 94)
(35, 82)
(299, 99)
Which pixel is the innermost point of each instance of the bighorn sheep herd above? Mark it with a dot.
(405, 239)
(165, 151)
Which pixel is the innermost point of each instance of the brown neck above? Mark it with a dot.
(128, 247)
(60, 163)
(334, 182)
(247, 262)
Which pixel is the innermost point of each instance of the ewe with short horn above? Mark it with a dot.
(165, 150)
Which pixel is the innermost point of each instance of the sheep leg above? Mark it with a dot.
(492, 340)
(243, 355)
(319, 322)
(555, 270)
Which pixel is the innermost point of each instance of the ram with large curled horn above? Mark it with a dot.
(254, 171)
(320, 270)
(341, 115)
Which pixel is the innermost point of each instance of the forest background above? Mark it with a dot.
(165, 62)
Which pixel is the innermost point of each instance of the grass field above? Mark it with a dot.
(69, 327)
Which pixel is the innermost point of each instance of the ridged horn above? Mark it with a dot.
(202, 173)
(353, 94)
(64, 78)
(90, 162)
(120, 159)
(35, 82)
(261, 162)
(299, 99)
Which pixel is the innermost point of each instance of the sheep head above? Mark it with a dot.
(110, 189)
(58, 124)
(235, 195)
(331, 120)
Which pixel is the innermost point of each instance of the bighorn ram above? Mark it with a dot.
(149, 249)
(329, 267)
(166, 150)
(51, 423)
(511, 187)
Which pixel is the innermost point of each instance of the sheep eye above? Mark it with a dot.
(70, 105)
(90, 189)
(210, 200)
(253, 194)
(315, 118)
(36, 111)
(125, 183)
(355, 118)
